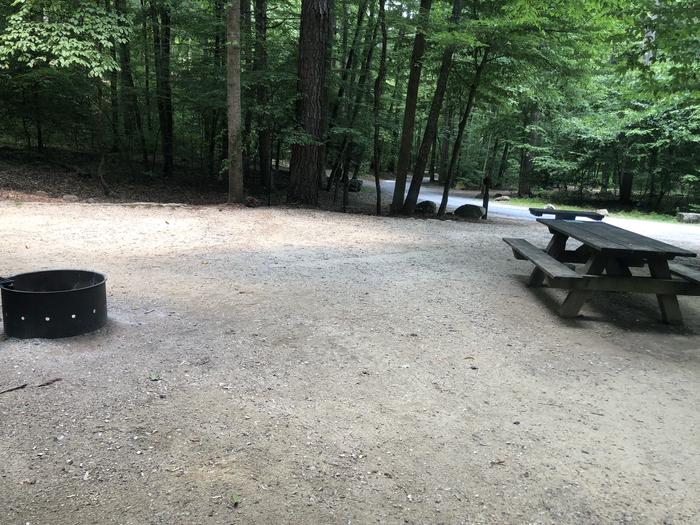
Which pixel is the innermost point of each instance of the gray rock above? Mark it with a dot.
(70, 198)
(549, 207)
(470, 211)
(252, 202)
(41, 193)
(502, 198)
(355, 185)
(604, 212)
(426, 208)
(688, 217)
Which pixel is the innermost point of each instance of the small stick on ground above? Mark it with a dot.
(50, 382)
(20, 387)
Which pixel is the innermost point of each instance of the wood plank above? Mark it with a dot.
(611, 240)
(547, 264)
(566, 214)
(604, 283)
(689, 274)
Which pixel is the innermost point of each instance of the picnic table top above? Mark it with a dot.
(611, 240)
(566, 214)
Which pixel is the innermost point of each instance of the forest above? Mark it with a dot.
(591, 100)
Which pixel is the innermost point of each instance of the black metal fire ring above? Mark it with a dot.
(53, 303)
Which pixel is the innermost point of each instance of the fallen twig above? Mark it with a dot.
(51, 382)
(20, 387)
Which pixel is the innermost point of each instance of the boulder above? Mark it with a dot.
(355, 185)
(470, 211)
(252, 202)
(42, 194)
(496, 195)
(426, 208)
(604, 212)
(502, 198)
(688, 217)
(549, 207)
(70, 198)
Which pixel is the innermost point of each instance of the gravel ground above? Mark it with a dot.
(291, 366)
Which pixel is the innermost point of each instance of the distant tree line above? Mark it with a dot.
(581, 97)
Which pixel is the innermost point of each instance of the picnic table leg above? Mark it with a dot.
(668, 304)
(618, 267)
(575, 298)
(555, 248)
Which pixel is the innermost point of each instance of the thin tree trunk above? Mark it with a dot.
(431, 126)
(130, 104)
(233, 99)
(409, 116)
(307, 161)
(378, 88)
(432, 161)
(262, 95)
(479, 67)
(160, 21)
(525, 179)
(502, 166)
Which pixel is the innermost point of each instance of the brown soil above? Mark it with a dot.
(291, 366)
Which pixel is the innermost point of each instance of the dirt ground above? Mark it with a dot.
(292, 366)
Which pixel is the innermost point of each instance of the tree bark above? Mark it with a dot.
(307, 160)
(525, 179)
(262, 94)
(479, 67)
(378, 88)
(160, 21)
(502, 166)
(130, 103)
(409, 116)
(233, 99)
(431, 126)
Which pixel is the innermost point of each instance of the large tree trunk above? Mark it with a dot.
(378, 88)
(479, 67)
(307, 162)
(431, 125)
(409, 116)
(262, 95)
(233, 99)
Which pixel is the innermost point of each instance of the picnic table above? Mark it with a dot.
(566, 214)
(607, 248)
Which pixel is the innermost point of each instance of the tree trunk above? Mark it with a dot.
(378, 88)
(431, 125)
(445, 146)
(432, 161)
(479, 67)
(233, 99)
(525, 179)
(409, 116)
(262, 95)
(352, 51)
(307, 163)
(130, 103)
(502, 166)
(160, 21)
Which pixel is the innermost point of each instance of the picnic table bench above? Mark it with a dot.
(607, 248)
(567, 214)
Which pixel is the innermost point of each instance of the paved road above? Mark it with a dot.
(687, 235)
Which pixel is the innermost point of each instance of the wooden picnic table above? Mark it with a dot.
(611, 250)
(567, 214)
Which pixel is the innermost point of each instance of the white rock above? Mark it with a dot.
(688, 217)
